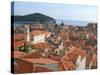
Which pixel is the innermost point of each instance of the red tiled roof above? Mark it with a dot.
(88, 59)
(77, 51)
(19, 36)
(67, 65)
(37, 28)
(73, 54)
(55, 58)
(41, 69)
(94, 50)
(65, 58)
(43, 45)
(64, 35)
(94, 57)
(33, 55)
(17, 54)
(38, 32)
(40, 61)
(18, 43)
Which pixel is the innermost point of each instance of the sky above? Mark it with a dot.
(57, 11)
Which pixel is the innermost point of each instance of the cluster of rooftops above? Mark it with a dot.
(51, 53)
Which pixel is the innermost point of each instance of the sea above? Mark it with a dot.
(73, 22)
(58, 21)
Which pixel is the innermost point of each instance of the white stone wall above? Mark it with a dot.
(39, 39)
(80, 63)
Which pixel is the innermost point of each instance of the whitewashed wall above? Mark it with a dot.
(39, 39)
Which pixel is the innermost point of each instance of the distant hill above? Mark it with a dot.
(36, 17)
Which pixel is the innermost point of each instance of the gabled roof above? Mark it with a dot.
(38, 32)
(19, 36)
(37, 28)
(66, 57)
(33, 55)
(94, 57)
(73, 54)
(77, 51)
(17, 54)
(40, 61)
(42, 69)
(43, 45)
(67, 65)
(64, 35)
(18, 43)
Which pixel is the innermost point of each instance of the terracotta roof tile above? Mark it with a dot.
(37, 28)
(77, 51)
(42, 69)
(67, 65)
(33, 55)
(17, 54)
(43, 45)
(18, 43)
(94, 57)
(65, 58)
(19, 36)
(55, 58)
(40, 61)
(73, 54)
(64, 35)
(38, 32)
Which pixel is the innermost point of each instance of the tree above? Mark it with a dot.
(26, 48)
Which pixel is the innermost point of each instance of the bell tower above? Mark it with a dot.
(27, 33)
